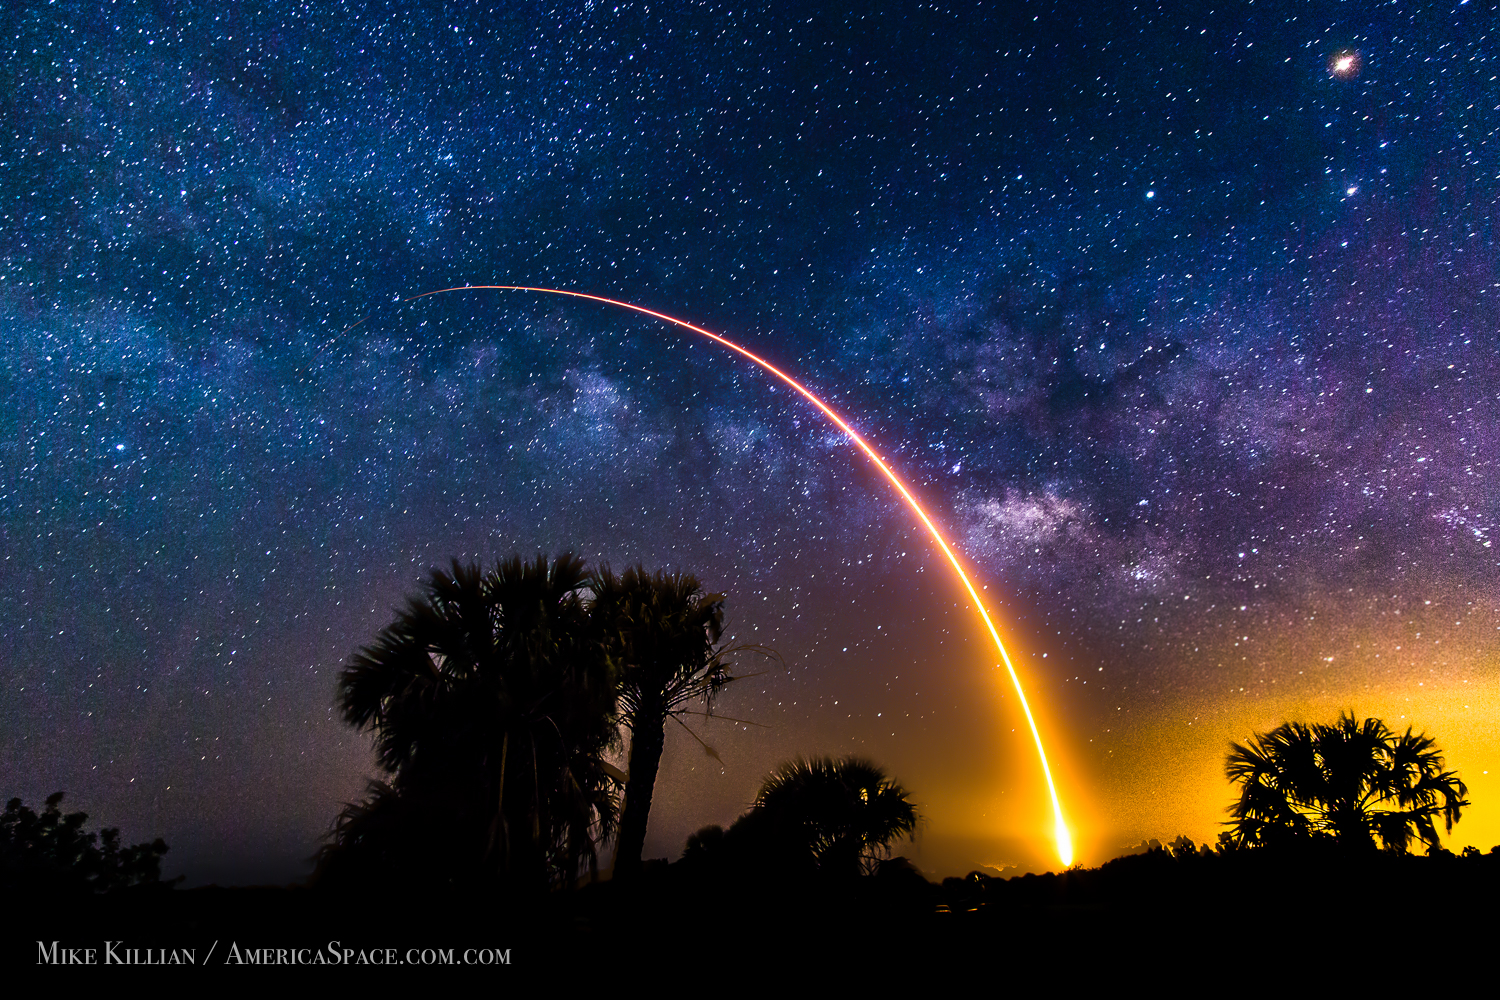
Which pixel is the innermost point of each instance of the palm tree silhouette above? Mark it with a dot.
(844, 814)
(659, 632)
(492, 708)
(1353, 783)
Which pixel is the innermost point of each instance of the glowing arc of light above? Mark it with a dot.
(1063, 840)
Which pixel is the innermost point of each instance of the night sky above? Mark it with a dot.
(1184, 324)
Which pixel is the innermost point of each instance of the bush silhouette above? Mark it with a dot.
(52, 853)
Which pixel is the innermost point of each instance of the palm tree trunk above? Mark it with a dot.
(498, 853)
(646, 740)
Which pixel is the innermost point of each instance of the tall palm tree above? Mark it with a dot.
(492, 708)
(843, 814)
(1354, 782)
(660, 633)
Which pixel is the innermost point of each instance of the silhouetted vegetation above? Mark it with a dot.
(844, 814)
(659, 633)
(804, 879)
(1354, 784)
(495, 699)
(493, 706)
(52, 853)
(819, 818)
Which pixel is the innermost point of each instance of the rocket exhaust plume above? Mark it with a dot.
(1062, 839)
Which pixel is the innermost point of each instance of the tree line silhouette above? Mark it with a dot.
(50, 852)
(497, 699)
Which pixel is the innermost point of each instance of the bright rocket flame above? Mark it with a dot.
(1061, 836)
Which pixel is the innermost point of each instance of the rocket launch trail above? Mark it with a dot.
(1062, 838)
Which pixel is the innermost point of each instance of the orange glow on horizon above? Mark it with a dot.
(1063, 839)
(1164, 772)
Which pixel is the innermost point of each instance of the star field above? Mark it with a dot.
(1185, 324)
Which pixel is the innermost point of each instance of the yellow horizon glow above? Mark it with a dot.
(1166, 776)
(1062, 838)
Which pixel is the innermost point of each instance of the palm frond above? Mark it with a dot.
(492, 705)
(1353, 781)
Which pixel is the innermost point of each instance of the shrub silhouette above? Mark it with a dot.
(812, 819)
(51, 853)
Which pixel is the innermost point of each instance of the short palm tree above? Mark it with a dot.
(660, 634)
(1354, 783)
(492, 708)
(844, 814)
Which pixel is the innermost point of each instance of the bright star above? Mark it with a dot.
(1344, 64)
